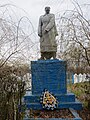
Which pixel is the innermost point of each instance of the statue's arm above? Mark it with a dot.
(40, 27)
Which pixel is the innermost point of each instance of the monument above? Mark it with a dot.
(49, 73)
(47, 32)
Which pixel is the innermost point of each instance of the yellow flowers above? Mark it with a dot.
(48, 101)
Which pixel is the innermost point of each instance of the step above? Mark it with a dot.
(69, 97)
(75, 105)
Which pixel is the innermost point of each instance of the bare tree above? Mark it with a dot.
(16, 45)
(17, 35)
(74, 37)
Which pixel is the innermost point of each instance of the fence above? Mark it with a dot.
(76, 78)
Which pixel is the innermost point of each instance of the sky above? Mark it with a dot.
(35, 8)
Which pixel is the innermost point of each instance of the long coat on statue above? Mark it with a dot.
(47, 39)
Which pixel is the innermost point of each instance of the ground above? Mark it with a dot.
(62, 113)
(84, 114)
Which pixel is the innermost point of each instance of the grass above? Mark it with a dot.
(82, 92)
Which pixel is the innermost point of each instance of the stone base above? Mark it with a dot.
(65, 101)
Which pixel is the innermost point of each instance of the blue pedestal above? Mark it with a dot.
(50, 75)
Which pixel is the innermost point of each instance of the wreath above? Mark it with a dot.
(48, 100)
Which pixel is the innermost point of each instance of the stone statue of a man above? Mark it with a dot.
(47, 33)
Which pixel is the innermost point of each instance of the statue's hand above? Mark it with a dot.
(39, 35)
(46, 31)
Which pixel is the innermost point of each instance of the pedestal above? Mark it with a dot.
(50, 75)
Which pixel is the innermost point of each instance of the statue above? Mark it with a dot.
(47, 33)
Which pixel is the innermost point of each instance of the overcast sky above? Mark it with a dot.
(35, 8)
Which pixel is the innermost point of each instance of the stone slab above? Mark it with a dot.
(49, 74)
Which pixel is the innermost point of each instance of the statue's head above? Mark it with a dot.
(47, 10)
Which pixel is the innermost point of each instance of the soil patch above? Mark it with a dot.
(84, 114)
(62, 113)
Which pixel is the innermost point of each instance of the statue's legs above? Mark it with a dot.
(54, 55)
(42, 56)
(48, 55)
